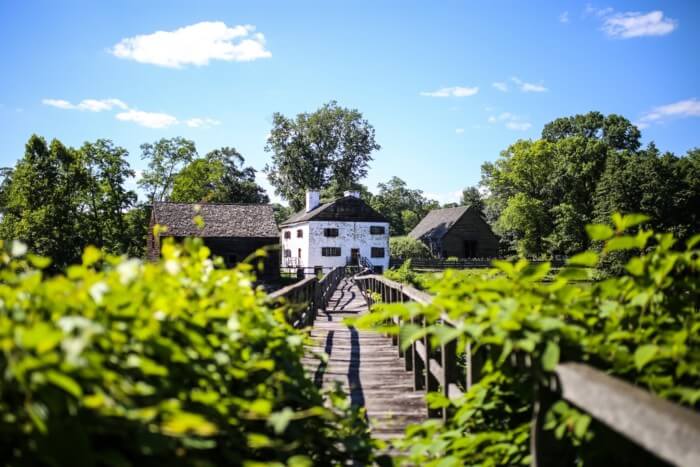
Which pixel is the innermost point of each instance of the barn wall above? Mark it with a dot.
(470, 227)
(234, 250)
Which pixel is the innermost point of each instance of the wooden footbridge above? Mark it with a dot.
(391, 384)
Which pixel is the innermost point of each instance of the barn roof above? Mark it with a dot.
(348, 208)
(437, 223)
(220, 220)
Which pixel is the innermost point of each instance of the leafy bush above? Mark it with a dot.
(407, 247)
(120, 362)
(406, 275)
(643, 326)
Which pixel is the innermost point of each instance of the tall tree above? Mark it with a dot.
(403, 206)
(105, 195)
(471, 196)
(166, 158)
(43, 201)
(332, 144)
(220, 176)
(615, 131)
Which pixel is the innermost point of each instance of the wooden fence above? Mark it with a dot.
(305, 297)
(669, 431)
(463, 263)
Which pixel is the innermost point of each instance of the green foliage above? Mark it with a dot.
(642, 326)
(218, 177)
(59, 199)
(181, 362)
(403, 206)
(471, 196)
(407, 247)
(585, 167)
(406, 275)
(331, 145)
(166, 157)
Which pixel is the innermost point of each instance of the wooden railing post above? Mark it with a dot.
(431, 382)
(449, 371)
(418, 363)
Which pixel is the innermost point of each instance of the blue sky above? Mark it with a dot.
(446, 84)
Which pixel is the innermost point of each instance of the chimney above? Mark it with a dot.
(313, 199)
(354, 194)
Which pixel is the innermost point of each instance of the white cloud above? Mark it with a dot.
(511, 121)
(445, 197)
(455, 91)
(680, 109)
(147, 119)
(635, 24)
(201, 122)
(459, 131)
(518, 126)
(528, 87)
(60, 103)
(196, 44)
(90, 105)
(564, 17)
(501, 86)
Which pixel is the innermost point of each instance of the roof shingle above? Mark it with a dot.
(348, 208)
(437, 223)
(220, 220)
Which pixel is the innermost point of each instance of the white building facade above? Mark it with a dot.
(344, 231)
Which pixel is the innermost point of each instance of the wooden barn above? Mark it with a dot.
(231, 231)
(457, 232)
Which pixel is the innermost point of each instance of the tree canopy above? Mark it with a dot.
(221, 177)
(584, 168)
(331, 145)
(403, 206)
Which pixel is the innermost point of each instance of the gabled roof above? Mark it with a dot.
(220, 220)
(437, 223)
(348, 208)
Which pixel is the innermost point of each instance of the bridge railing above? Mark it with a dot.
(305, 297)
(667, 430)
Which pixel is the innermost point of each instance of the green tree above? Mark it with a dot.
(615, 131)
(394, 199)
(471, 196)
(43, 205)
(105, 195)
(332, 144)
(407, 247)
(166, 158)
(221, 177)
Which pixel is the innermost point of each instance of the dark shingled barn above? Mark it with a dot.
(460, 232)
(231, 231)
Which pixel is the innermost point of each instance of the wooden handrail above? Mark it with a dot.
(669, 430)
(305, 297)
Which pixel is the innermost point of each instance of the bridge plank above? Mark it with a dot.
(366, 364)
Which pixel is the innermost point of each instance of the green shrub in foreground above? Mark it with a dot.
(643, 326)
(119, 362)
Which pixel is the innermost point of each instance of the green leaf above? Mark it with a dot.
(410, 333)
(621, 243)
(632, 220)
(581, 425)
(598, 232)
(550, 357)
(91, 255)
(279, 420)
(694, 240)
(635, 266)
(586, 259)
(644, 354)
(64, 382)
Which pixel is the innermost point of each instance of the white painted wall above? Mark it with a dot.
(350, 235)
(294, 243)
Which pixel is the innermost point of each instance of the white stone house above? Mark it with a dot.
(342, 232)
